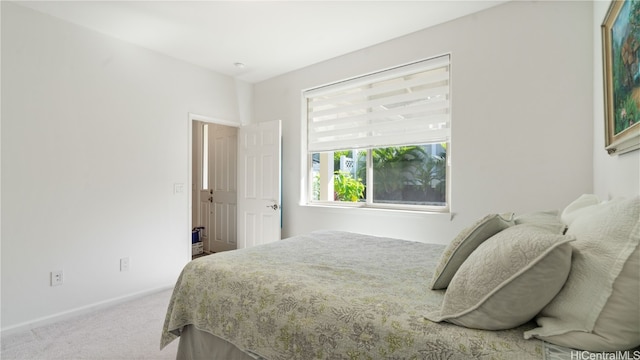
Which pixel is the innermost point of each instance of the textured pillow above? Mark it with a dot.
(507, 279)
(547, 219)
(598, 308)
(464, 244)
(584, 203)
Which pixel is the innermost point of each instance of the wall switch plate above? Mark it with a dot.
(178, 188)
(124, 264)
(57, 278)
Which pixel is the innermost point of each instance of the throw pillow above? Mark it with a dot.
(548, 219)
(583, 203)
(467, 240)
(508, 279)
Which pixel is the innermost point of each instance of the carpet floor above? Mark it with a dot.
(129, 330)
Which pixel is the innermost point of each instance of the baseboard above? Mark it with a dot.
(26, 326)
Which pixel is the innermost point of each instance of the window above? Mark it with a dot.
(381, 140)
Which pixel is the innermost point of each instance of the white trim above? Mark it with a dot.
(212, 120)
(305, 182)
(350, 209)
(65, 315)
(431, 209)
(314, 88)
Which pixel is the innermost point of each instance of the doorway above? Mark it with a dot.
(255, 173)
(214, 184)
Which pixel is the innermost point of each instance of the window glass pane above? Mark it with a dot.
(339, 175)
(412, 175)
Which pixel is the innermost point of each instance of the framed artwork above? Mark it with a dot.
(621, 59)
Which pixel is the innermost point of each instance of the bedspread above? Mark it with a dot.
(330, 295)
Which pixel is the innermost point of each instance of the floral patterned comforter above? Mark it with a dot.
(330, 295)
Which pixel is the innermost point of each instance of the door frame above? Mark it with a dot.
(207, 119)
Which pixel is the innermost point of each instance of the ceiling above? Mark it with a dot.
(269, 37)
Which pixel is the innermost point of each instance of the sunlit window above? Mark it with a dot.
(381, 140)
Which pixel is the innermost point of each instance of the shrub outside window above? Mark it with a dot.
(381, 140)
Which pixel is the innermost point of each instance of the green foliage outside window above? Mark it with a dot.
(408, 174)
(347, 188)
(401, 174)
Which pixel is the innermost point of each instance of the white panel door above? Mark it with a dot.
(259, 211)
(222, 187)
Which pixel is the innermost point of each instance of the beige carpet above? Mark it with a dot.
(127, 331)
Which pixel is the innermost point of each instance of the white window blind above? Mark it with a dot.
(406, 105)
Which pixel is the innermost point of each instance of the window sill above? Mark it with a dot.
(375, 208)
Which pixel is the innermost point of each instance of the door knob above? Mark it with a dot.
(210, 199)
(274, 206)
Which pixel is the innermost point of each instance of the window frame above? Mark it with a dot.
(306, 184)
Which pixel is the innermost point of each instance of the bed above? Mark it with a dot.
(340, 295)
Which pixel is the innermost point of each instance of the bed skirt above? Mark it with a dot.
(195, 345)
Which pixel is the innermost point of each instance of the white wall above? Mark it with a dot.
(617, 175)
(95, 134)
(522, 116)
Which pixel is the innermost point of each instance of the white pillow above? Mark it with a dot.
(507, 279)
(598, 309)
(464, 244)
(583, 203)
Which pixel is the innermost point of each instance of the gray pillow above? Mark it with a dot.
(549, 219)
(508, 279)
(467, 240)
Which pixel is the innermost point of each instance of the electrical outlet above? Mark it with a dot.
(124, 264)
(57, 278)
